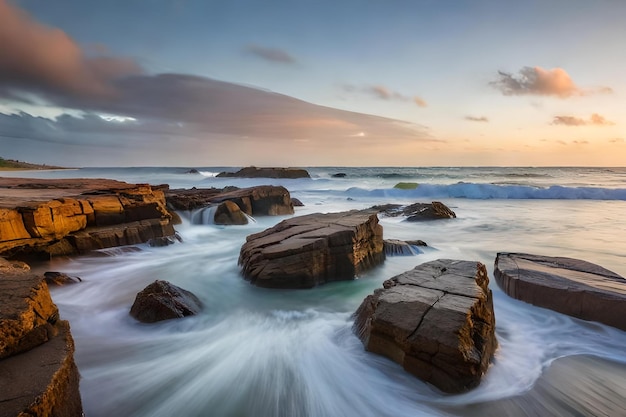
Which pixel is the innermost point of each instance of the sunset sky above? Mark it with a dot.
(313, 82)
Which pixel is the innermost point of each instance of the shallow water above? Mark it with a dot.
(260, 352)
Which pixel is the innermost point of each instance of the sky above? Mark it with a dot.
(313, 82)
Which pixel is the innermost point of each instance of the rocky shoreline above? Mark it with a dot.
(436, 320)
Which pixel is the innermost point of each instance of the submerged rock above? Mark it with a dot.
(395, 247)
(570, 286)
(162, 300)
(306, 251)
(60, 278)
(229, 212)
(435, 320)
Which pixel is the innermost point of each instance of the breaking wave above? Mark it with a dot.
(491, 191)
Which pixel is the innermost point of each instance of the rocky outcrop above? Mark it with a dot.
(38, 376)
(254, 172)
(570, 286)
(263, 200)
(306, 251)
(418, 211)
(61, 217)
(58, 279)
(162, 300)
(436, 321)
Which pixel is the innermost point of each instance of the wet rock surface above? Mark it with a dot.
(570, 286)
(162, 300)
(418, 211)
(254, 172)
(306, 251)
(435, 320)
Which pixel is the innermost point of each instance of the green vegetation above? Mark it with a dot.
(15, 164)
(406, 185)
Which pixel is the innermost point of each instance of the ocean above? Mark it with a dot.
(292, 353)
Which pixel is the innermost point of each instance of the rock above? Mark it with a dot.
(42, 381)
(263, 200)
(165, 240)
(27, 313)
(296, 203)
(339, 175)
(51, 217)
(306, 251)
(395, 247)
(435, 320)
(418, 211)
(38, 376)
(192, 171)
(254, 172)
(59, 278)
(162, 300)
(570, 286)
(229, 212)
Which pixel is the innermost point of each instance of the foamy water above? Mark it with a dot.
(260, 352)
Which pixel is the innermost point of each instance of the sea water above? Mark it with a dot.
(292, 353)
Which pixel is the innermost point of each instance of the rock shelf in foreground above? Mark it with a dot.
(309, 250)
(435, 320)
(38, 375)
(570, 286)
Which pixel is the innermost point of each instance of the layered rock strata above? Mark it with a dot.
(570, 286)
(61, 217)
(436, 320)
(262, 200)
(306, 251)
(38, 375)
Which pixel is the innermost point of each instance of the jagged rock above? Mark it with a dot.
(296, 202)
(27, 313)
(436, 320)
(339, 175)
(570, 286)
(162, 300)
(48, 217)
(229, 212)
(254, 172)
(418, 211)
(59, 278)
(263, 200)
(395, 247)
(192, 171)
(305, 251)
(42, 381)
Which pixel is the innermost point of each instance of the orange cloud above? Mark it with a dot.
(543, 82)
(383, 93)
(46, 58)
(594, 120)
(420, 102)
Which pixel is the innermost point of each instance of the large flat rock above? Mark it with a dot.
(570, 286)
(41, 217)
(306, 251)
(435, 320)
(42, 381)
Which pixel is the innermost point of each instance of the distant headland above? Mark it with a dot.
(12, 164)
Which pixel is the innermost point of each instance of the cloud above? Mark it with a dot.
(617, 140)
(594, 120)
(482, 119)
(383, 93)
(420, 102)
(541, 82)
(271, 54)
(47, 59)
